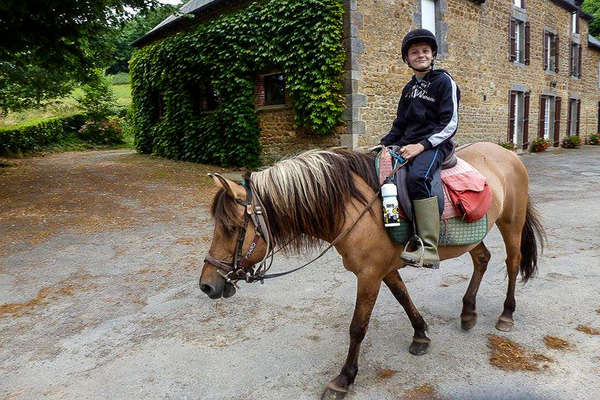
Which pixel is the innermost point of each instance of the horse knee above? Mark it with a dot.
(357, 332)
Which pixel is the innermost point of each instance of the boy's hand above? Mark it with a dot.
(411, 150)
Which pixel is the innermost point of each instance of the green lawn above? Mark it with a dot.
(67, 105)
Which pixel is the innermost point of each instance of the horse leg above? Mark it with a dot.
(368, 289)
(480, 256)
(512, 242)
(420, 343)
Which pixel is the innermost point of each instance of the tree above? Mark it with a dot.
(592, 7)
(133, 29)
(44, 45)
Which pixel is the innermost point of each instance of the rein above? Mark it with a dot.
(240, 269)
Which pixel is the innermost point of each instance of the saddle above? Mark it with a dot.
(461, 190)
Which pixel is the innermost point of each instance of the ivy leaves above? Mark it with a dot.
(303, 38)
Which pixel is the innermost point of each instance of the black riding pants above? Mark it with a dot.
(422, 168)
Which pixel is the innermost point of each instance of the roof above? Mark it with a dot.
(198, 7)
(194, 7)
(593, 42)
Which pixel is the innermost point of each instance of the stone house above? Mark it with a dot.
(526, 69)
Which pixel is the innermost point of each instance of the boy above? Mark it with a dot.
(426, 120)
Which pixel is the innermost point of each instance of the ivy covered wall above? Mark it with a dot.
(302, 38)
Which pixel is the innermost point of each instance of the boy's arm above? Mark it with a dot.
(398, 125)
(446, 128)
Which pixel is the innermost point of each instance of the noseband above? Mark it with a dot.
(241, 268)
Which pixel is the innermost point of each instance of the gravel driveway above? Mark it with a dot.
(99, 263)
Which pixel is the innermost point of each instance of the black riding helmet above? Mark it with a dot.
(418, 36)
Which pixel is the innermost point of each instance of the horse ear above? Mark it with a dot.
(233, 189)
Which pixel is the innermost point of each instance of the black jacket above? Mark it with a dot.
(427, 112)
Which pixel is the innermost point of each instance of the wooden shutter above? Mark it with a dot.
(511, 116)
(527, 43)
(556, 43)
(569, 117)
(579, 61)
(526, 120)
(598, 120)
(577, 123)
(542, 118)
(571, 59)
(512, 41)
(546, 49)
(557, 101)
(523, 4)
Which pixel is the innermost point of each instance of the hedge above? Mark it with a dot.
(302, 38)
(37, 133)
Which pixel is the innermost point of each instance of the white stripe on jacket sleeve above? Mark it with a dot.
(450, 128)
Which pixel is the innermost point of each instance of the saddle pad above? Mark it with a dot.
(453, 231)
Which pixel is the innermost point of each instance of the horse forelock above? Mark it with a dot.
(224, 212)
(305, 196)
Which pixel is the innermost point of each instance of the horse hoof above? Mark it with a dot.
(333, 391)
(504, 325)
(468, 323)
(418, 348)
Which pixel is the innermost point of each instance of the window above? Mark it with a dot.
(158, 105)
(270, 89)
(549, 123)
(575, 60)
(205, 97)
(518, 118)
(550, 51)
(573, 117)
(428, 18)
(519, 3)
(574, 22)
(519, 41)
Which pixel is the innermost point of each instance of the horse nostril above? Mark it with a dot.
(206, 288)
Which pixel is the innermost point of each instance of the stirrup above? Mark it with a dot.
(410, 261)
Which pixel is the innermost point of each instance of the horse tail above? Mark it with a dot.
(533, 232)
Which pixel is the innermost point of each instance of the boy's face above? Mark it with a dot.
(419, 56)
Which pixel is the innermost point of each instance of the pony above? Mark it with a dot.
(330, 195)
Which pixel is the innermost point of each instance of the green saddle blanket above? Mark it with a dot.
(453, 231)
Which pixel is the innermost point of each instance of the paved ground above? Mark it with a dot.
(99, 255)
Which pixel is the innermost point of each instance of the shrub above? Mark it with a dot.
(571, 142)
(30, 135)
(102, 132)
(594, 139)
(98, 100)
(508, 145)
(539, 145)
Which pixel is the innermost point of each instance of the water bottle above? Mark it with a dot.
(391, 213)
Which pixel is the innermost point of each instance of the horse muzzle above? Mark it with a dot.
(217, 289)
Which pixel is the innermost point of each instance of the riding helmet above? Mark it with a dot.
(417, 36)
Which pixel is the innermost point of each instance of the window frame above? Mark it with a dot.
(261, 90)
(575, 51)
(551, 43)
(518, 118)
(519, 41)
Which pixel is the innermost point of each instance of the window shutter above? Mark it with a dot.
(557, 101)
(542, 118)
(577, 123)
(511, 116)
(526, 120)
(579, 61)
(576, 22)
(546, 50)
(556, 53)
(512, 43)
(523, 4)
(571, 59)
(527, 43)
(569, 117)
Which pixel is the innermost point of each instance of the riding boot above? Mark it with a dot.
(427, 217)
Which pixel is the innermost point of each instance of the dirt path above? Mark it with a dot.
(99, 255)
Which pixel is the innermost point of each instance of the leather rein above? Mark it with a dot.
(240, 268)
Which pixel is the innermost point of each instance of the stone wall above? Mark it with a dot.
(475, 51)
(280, 139)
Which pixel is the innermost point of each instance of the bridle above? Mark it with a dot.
(240, 267)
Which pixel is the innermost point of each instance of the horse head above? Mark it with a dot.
(240, 239)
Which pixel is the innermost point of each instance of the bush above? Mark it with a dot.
(508, 145)
(73, 123)
(102, 132)
(571, 142)
(594, 139)
(98, 100)
(30, 135)
(539, 145)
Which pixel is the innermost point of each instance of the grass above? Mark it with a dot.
(65, 106)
